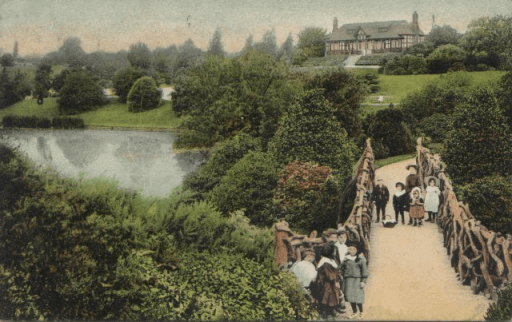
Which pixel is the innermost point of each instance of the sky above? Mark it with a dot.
(41, 26)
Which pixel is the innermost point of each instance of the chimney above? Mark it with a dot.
(415, 25)
(335, 24)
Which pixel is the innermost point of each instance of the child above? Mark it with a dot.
(340, 245)
(305, 270)
(416, 211)
(400, 201)
(412, 181)
(432, 199)
(355, 274)
(327, 284)
(381, 197)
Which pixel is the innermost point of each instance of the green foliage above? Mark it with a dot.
(502, 309)
(480, 143)
(310, 132)
(42, 80)
(376, 59)
(226, 96)
(7, 60)
(489, 41)
(80, 93)
(144, 95)
(436, 126)
(222, 159)
(139, 55)
(124, 79)
(26, 122)
(268, 44)
(286, 51)
(422, 49)
(504, 96)
(13, 88)
(248, 185)
(442, 35)
(68, 123)
(311, 41)
(490, 200)
(390, 133)
(307, 196)
(406, 65)
(446, 57)
(71, 52)
(216, 47)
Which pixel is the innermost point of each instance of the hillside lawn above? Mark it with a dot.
(111, 115)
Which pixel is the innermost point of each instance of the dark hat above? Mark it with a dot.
(401, 184)
(330, 232)
(352, 244)
(413, 166)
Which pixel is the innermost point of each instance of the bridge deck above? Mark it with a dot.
(410, 274)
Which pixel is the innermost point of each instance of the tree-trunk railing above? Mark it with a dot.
(481, 257)
(289, 245)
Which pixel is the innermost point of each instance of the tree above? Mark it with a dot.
(7, 60)
(442, 35)
(504, 96)
(311, 41)
(216, 47)
(15, 50)
(445, 57)
(268, 44)
(406, 65)
(71, 51)
(309, 132)
(13, 89)
(287, 49)
(480, 143)
(249, 44)
(80, 93)
(124, 79)
(42, 80)
(249, 185)
(139, 55)
(144, 95)
(190, 54)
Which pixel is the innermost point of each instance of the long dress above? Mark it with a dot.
(432, 199)
(355, 271)
(416, 210)
(327, 284)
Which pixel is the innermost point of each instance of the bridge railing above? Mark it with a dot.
(481, 257)
(289, 245)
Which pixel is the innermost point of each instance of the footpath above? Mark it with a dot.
(410, 273)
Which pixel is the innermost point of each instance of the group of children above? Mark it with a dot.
(407, 198)
(339, 275)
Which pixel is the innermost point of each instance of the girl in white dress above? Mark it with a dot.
(432, 199)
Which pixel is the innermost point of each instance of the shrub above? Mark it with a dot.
(26, 122)
(124, 79)
(68, 123)
(479, 144)
(80, 93)
(248, 185)
(444, 57)
(144, 95)
(406, 65)
(309, 132)
(307, 196)
(223, 158)
(490, 201)
(436, 126)
(502, 309)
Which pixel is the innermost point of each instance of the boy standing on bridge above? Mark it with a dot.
(381, 197)
(400, 201)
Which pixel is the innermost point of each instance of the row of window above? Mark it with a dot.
(386, 44)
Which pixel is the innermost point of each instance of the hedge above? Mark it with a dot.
(68, 123)
(15, 121)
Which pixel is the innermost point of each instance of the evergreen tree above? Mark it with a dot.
(287, 49)
(15, 51)
(268, 44)
(216, 47)
(139, 55)
(249, 44)
(42, 80)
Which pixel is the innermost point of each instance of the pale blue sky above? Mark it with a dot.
(41, 26)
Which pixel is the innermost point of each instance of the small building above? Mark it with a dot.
(373, 37)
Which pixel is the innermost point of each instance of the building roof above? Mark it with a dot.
(375, 30)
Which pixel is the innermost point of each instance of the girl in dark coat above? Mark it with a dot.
(328, 281)
(400, 201)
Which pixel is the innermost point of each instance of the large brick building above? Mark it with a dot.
(373, 37)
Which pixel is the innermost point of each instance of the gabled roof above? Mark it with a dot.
(375, 30)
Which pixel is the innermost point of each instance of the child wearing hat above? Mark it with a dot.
(400, 201)
(380, 196)
(355, 274)
(416, 210)
(432, 199)
(412, 181)
(328, 282)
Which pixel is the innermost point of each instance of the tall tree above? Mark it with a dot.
(139, 55)
(42, 81)
(442, 35)
(216, 47)
(190, 54)
(15, 50)
(71, 51)
(268, 44)
(311, 41)
(287, 48)
(249, 43)
(7, 60)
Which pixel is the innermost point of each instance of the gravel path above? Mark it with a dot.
(410, 274)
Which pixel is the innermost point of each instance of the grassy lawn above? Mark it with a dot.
(394, 159)
(111, 115)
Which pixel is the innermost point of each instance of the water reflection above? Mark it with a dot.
(138, 160)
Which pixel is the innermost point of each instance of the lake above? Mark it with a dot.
(137, 160)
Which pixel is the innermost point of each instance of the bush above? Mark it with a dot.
(80, 93)
(490, 201)
(406, 65)
(68, 123)
(445, 57)
(144, 95)
(502, 309)
(13, 121)
(124, 79)
(479, 144)
(436, 126)
(223, 158)
(307, 196)
(248, 185)
(309, 132)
